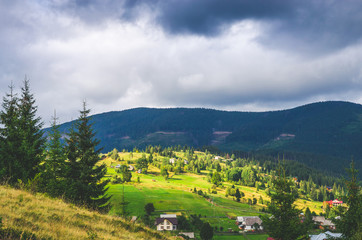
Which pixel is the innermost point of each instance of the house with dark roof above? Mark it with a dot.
(166, 222)
(249, 223)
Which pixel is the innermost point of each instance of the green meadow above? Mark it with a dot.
(241, 237)
(176, 195)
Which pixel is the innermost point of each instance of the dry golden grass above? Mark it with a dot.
(54, 219)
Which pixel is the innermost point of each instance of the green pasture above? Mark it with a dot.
(258, 237)
(166, 199)
(229, 237)
(184, 181)
(172, 200)
(241, 237)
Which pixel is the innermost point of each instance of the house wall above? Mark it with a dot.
(166, 225)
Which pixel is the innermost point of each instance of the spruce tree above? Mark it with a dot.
(54, 165)
(83, 177)
(29, 129)
(350, 223)
(284, 223)
(206, 231)
(237, 195)
(10, 140)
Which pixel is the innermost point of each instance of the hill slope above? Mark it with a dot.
(323, 135)
(44, 218)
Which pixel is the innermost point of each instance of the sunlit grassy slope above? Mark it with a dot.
(53, 219)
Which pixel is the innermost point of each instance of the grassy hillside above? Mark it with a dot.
(24, 214)
(323, 135)
(176, 194)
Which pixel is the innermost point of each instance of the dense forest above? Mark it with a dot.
(324, 135)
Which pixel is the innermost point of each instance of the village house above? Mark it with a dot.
(172, 160)
(325, 236)
(323, 223)
(166, 222)
(248, 223)
(332, 203)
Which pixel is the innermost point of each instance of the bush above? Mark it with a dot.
(149, 208)
(116, 179)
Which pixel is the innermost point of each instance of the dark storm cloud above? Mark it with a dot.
(308, 25)
(304, 25)
(210, 17)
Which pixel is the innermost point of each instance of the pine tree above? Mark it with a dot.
(237, 195)
(285, 223)
(32, 140)
(206, 231)
(54, 165)
(83, 176)
(10, 140)
(350, 223)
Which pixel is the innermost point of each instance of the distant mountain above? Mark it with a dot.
(324, 135)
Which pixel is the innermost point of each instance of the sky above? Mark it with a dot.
(242, 55)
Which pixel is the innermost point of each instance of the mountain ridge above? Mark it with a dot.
(331, 131)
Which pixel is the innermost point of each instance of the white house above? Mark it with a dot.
(248, 223)
(166, 222)
(172, 160)
(324, 236)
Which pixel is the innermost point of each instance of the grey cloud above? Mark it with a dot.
(209, 17)
(314, 26)
(308, 25)
(75, 50)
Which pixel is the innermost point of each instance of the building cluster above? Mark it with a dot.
(332, 203)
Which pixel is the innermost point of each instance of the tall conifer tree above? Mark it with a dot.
(29, 129)
(83, 176)
(350, 223)
(9, 138)
(54, 165)
(285, 223)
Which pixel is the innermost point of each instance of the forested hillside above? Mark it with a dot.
(323, 135)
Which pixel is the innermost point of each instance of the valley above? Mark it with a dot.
(178, 193)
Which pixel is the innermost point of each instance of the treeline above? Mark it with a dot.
(292, 167)
(238, 171)
(250, 171)
(59, 169)
(325, 135)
